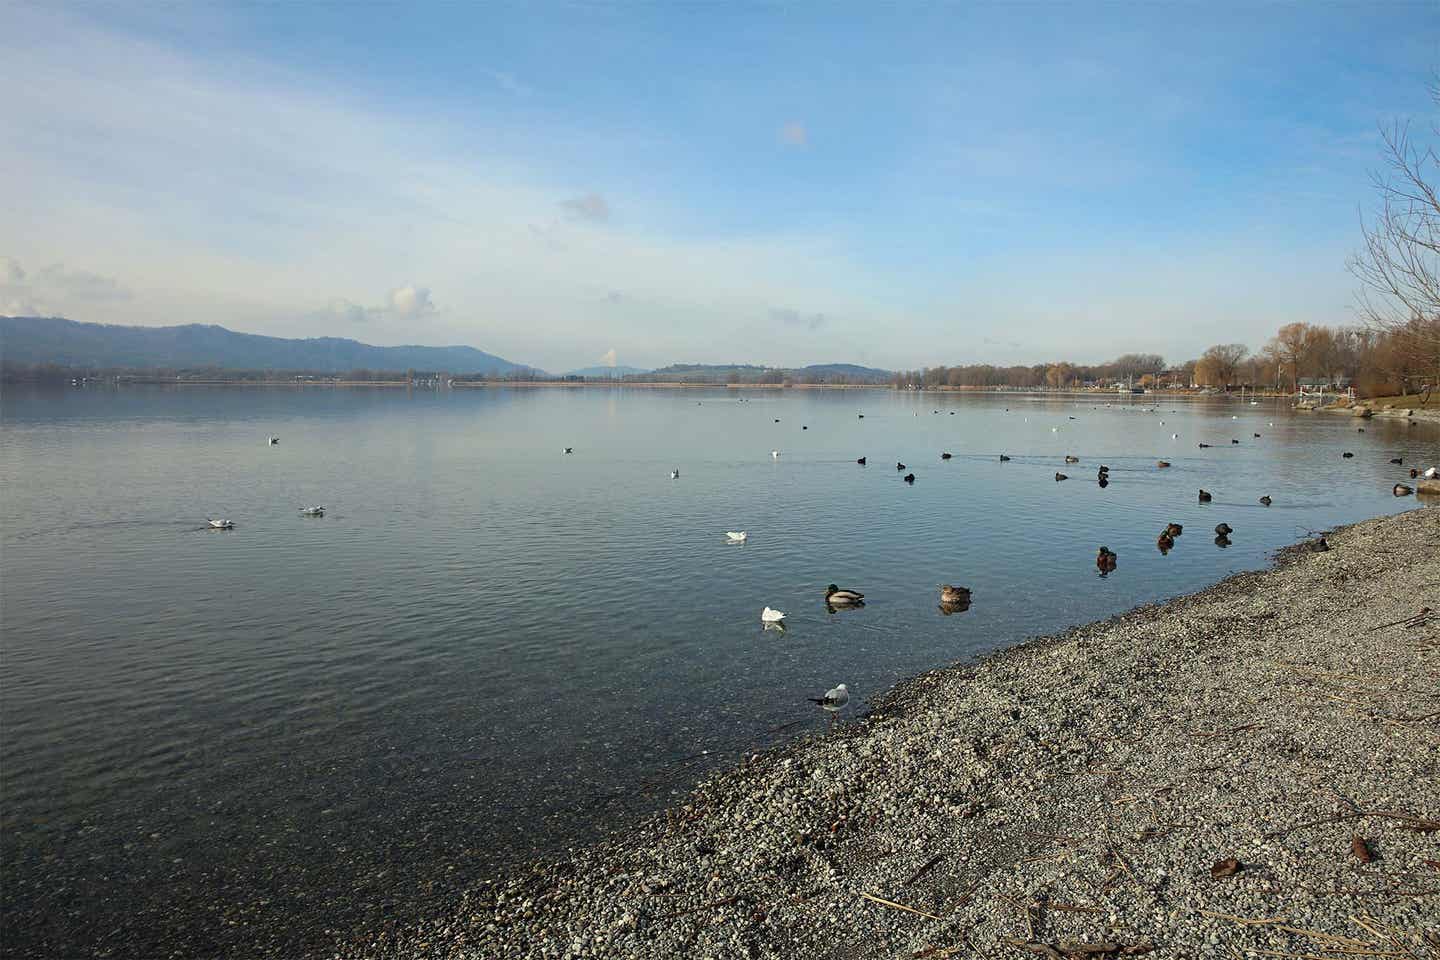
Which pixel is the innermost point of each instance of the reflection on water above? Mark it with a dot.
(217, 741)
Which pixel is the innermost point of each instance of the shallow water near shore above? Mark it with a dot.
(265, 739)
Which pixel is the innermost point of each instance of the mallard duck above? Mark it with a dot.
(1105, 560)
(1162, 464)
(1257, 436)
(1396, 460)
(861, 461)
(803, 427)
(909, 478)
(1104, 480)
(843, 598)
(1165, 542)
(1205, 496)
(1070, 459)
(1060, 476)
(860, 416)
(1401, 490)
(945, 456)
(1414, 473)
(1223, 529)
(1265, 500)
(1222, 541)
(949, 593)
(1233, 440)
(1004, 459)
(1174, 529)
(273, 440)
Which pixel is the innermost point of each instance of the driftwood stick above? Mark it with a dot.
(899, 906)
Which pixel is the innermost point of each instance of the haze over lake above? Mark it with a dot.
(217, 743)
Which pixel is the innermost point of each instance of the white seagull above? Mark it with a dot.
(775, 454)
(1431, 474)
(272, 440)
(834, 700)
(736, 536)
(222, 524)
(771, 616)
(315, 511)
(674, 474)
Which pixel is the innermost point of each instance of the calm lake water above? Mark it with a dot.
(225, 743)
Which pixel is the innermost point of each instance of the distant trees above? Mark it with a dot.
(1219, 366)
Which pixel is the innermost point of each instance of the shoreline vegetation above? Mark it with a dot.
(1249, 771)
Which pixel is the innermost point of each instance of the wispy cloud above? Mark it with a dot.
(589, 206)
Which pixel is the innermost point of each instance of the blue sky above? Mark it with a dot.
(900, 185)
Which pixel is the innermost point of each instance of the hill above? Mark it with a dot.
(53, 340)
(751, 373)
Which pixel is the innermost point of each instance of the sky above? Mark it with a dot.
(573, 184)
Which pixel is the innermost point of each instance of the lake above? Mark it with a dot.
(302, 730)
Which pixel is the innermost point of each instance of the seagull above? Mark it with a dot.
(221, 524)
(834, 700)
(316, 511)
(736, 536)
(774, 454)
(273, 440)
(674, 474)
(1432, 473)
(1174, 436)
(771, 616)
(568, 450)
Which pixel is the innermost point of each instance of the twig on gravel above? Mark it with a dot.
(1374, 927)
(899, 906)
(924, 868)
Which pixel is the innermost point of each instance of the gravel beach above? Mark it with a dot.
(1250, 771)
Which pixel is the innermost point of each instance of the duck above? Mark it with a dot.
(674, 474)
(736, 536)
(1060, 476)
(1070, 459)
(221, 524)
(1347, 455)
(1162, 464)
(1397, 460)
(1402, 490)
(909, 478)
(1257, 436)
(1320, 545)
(804, 427)
(315, 511)
(1174, 436)
(1004, 459)
(1104, 480)
(1165, 542)
(860, 416)
(1223, 530)
(1222, 541)
(568, 450)
(1233, 440)
(836, 597)
(949, 593)
(777, 419)
(1174, 529)
(1266, 501)
(771, 616)
(861, 461)
(899, 465)
(774, 454)
(272, 440)
(1204, 446)
(1106, 560)
(1205, 496)
(945, 456)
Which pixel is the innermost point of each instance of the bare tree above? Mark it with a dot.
(1399, 265)
(1218, 365)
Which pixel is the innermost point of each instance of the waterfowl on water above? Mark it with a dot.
(1347, 454)
(843, 598)
(736, 536)
(1004, 459)
(909, 478)
(1396, 460)
(1205, 496)
(221, 524)
(1266, 500)
(1401, 490)
(1223, 530)
(1174, 529)
(1070, 459)
(1233, 440)
(1165, 542)
(834, 700)
(315, 511)
(949, 593)
(1414, 473)
(1060, 476)
(1221, 540)
(945, 456)
(1106, 560)
(674, 474)
(1174, 436)
(899, 465)
(771, 616)
(777, 419)
(1204, 446)
(272, 440)
(861, 461)
(1162, 464)
(803, 427)
(1257, 436)
(1432, 473)
(860, 416)
(774, 454)
(568, 450)
(1359, 429)
(1104, 480)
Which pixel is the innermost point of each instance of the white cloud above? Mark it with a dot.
(81, 284)
(410, 301)
(607, 359)
(589, 206)
(347, 310)
(794, 134)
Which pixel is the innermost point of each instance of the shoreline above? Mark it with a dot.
(1074, 789)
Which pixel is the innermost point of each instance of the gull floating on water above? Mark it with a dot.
(221, 524)
(315, 511)
(771, 616)
(272, 440)
(568, 450)
(775, 454)
(736, 536)
(674, 474)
